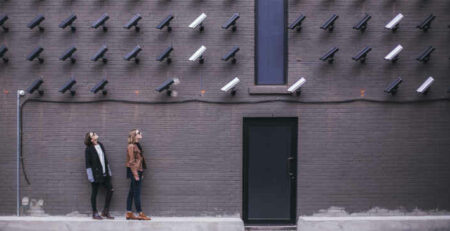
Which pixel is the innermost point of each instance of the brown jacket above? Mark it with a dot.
(135, 160)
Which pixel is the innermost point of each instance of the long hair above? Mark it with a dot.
(132, 136)
(87, 139)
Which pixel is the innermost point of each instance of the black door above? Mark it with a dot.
(270, 170)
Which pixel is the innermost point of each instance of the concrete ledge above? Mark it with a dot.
(87, 224)
(375, 223)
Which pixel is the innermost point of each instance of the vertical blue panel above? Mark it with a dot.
(270, 42)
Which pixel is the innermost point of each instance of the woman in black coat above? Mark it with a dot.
(99, 173)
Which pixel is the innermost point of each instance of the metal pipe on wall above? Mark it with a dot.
(19, 94)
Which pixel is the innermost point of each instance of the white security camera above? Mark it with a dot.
(296, 87)
(393, 55)
(425, 87)
(198, 54)
(393, 24)
(231, 86)
(198, 22)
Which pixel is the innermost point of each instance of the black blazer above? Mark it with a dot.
(94, 165)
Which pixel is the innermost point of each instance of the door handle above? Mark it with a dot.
(290, 173)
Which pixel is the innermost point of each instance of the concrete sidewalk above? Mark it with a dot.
(63, 223)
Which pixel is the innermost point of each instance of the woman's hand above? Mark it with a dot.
(136, 178)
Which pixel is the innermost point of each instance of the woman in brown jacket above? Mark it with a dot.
(135, 167)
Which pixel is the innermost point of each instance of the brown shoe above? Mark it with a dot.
(106, 215)
(95, 216)
(130, 216)
(142, 216)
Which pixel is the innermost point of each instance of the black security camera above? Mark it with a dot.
(329, 24)
(101, 22)
(36, 22)
(69, 22)
(165, 22)
(100, 86)
(426, 24)
(425, 55)
(3, 19)
(100, 54)
(35, 54)
(68, 54)
(393, 86)
(133, 22)
(165, 55)
(231, 55)
(3, 50)
(68, 86)
(133, 54)
(362, 55)
(231, 22)
(362, 25)
(35, 86)
(166, 86)
(329, 56)
(297, 24)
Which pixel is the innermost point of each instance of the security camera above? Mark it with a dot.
(133, 22)
(329, 24)
(393, 86)
(231, 54)
(69, 22)
(426, 24)
(425, 87)
(133, 54)
(425, 55)
(165, 22)
(101, 22)
(166, 86)
(35, 54)
(231, 22)
(393, 55)
(100, 54)
(296, 87)
(231, 86)
(329, 56)
(198, 22)
(36, 22)
(362, 55)
(68, 54)
(3, 19)
(297, 23)
(100, 86)
(35, 86)
(393, 24)
(362, 25)
(3, 50)
(68, 86)
(198, 55)
(165, 55)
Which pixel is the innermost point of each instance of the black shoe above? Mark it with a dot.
(95, 216)
(106, 214)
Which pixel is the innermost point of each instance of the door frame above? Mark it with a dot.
(293, 199)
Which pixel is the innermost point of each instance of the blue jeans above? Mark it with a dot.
(135, 193)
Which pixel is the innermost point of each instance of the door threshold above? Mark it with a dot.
(270, 227)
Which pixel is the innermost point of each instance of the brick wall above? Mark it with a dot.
(358, 155)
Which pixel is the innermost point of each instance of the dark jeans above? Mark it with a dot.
(109, 191)
(135, 193)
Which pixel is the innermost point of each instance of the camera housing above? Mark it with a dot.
(166, 86)
(425, 86)
(231, 22)
(329, 24)
(100, 54)
(165, 23)
(362, 25)
(36, 54)
(165, 55)
(68, 86)
(3, 19)
(69, 54)
(133, 22)
(297, 24)
(69, 22)
(133, 54)
(425, 56)
(101, 22)
(394, 23)
(426, 24)
(37, 22)
(198, 55)
(231, 55)
(100, 86)
(231, 86)
(198, 22)
(296, 87)
(393, 55)
(362, 55)
(35, 86)
(329, 56)
(3, 50)
(393, 86)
